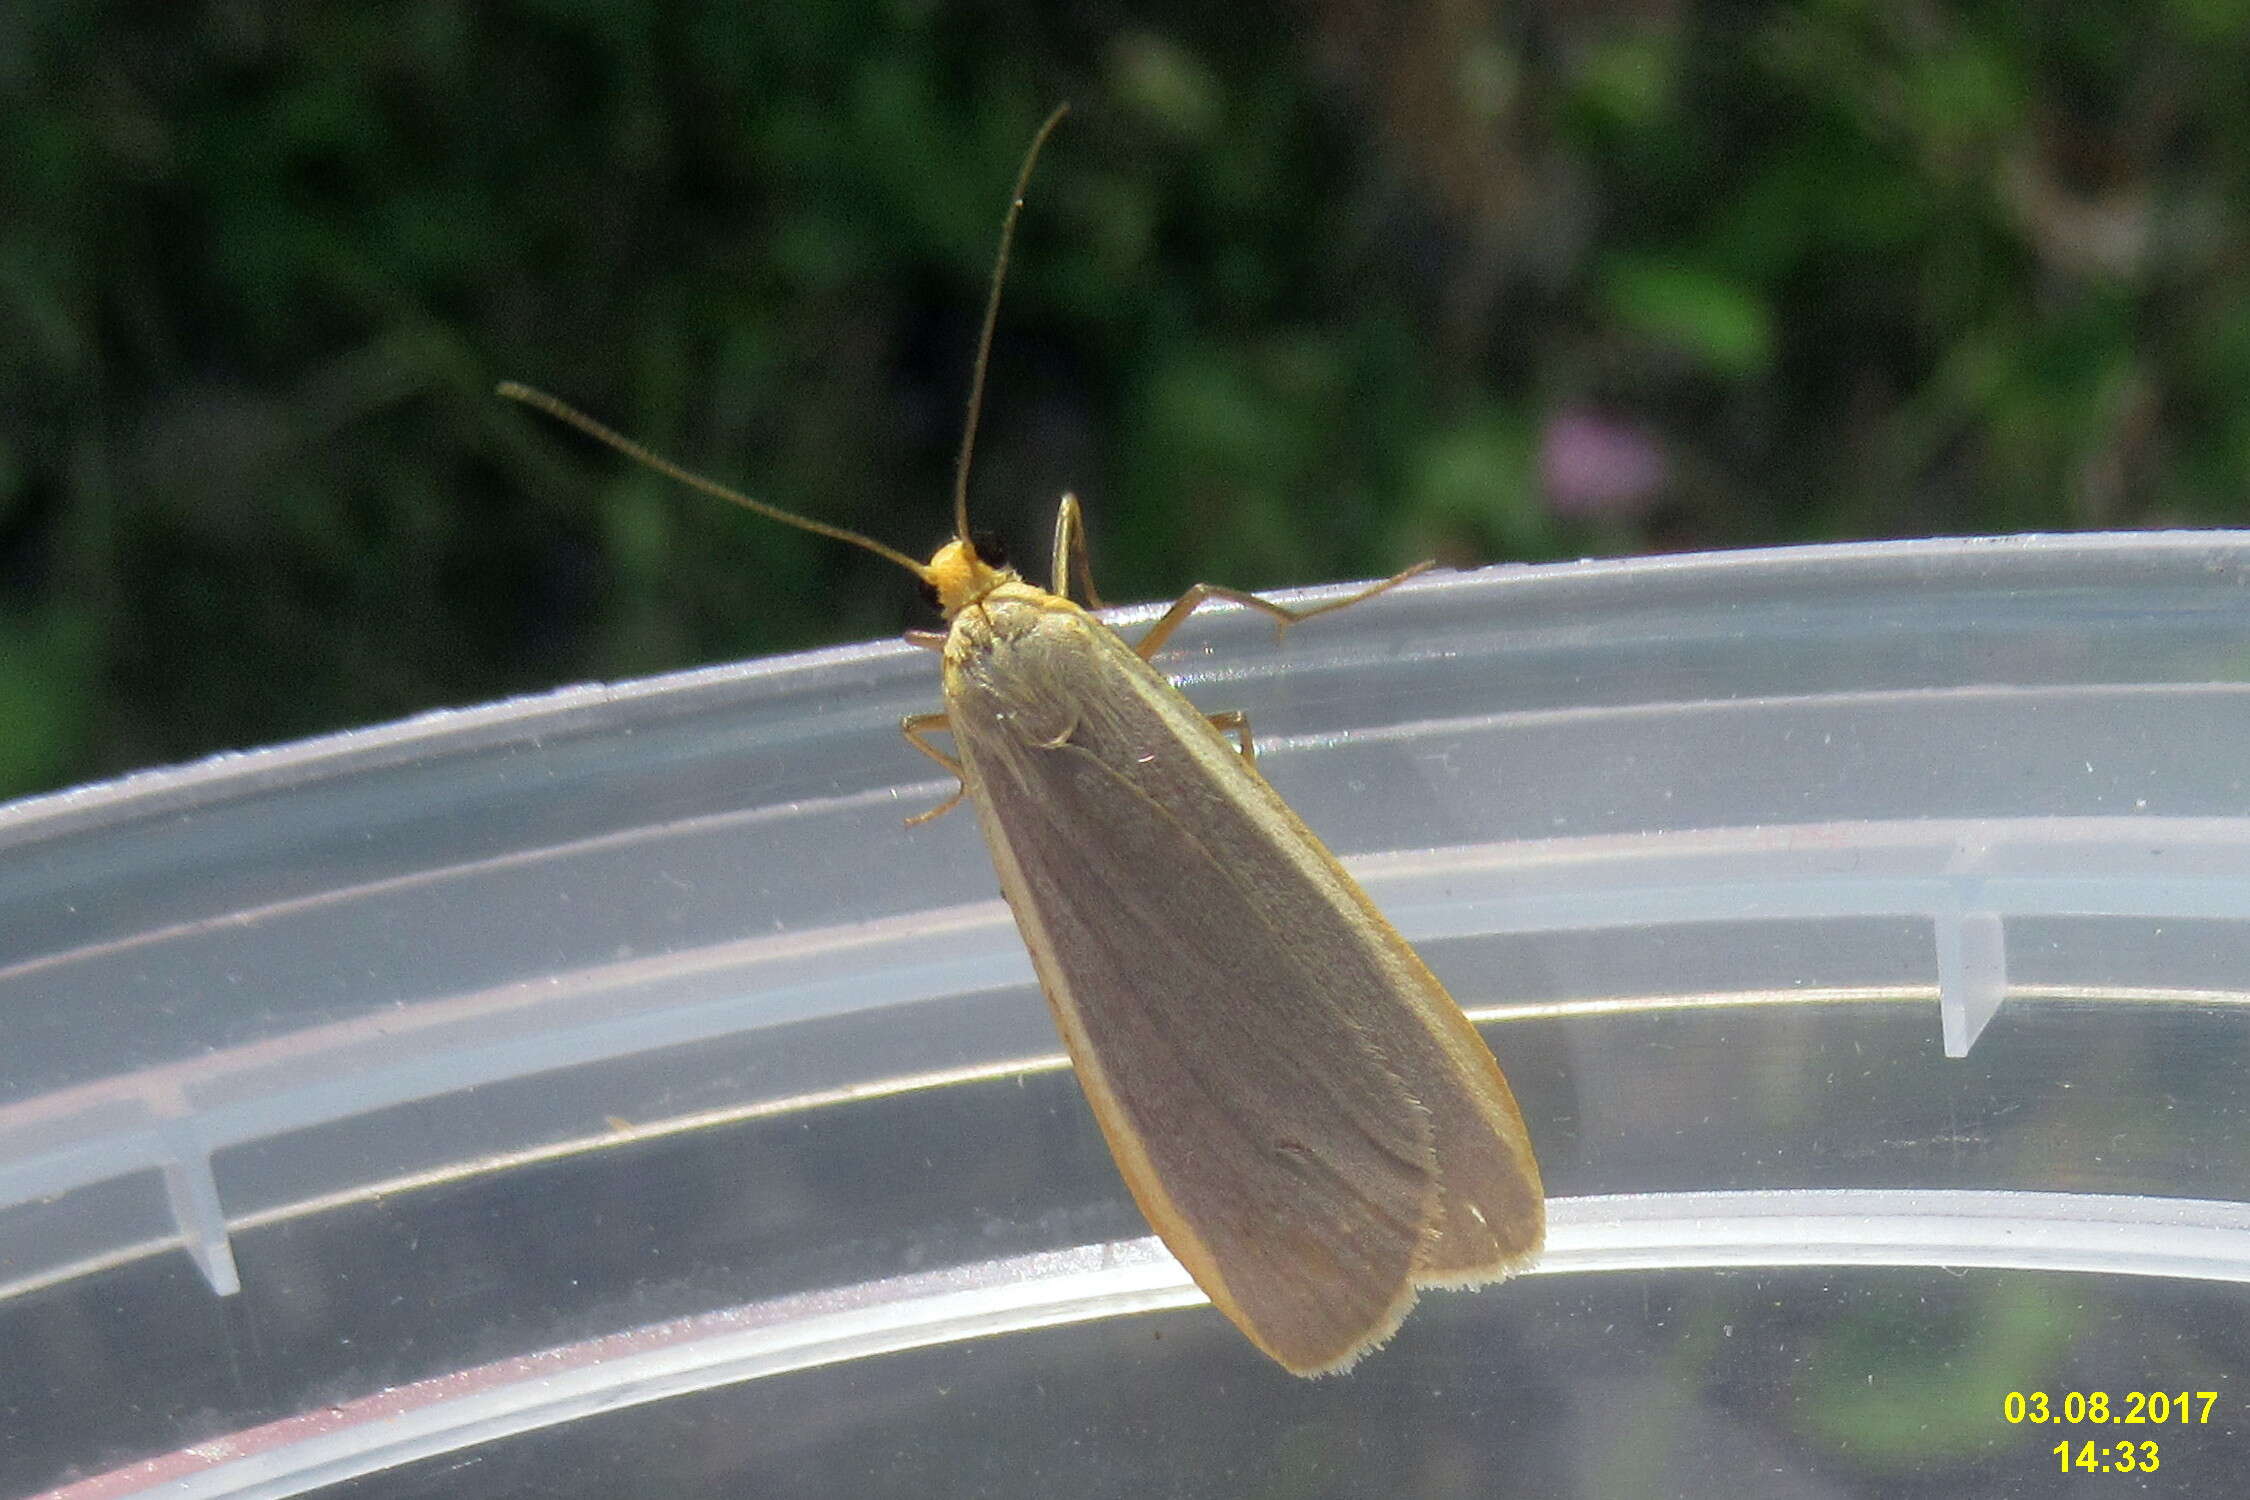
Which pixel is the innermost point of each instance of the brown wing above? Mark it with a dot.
(1295, 1102)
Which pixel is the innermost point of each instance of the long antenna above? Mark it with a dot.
(563, 411)
(991, 320)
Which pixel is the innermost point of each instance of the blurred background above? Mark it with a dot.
(1304, 292)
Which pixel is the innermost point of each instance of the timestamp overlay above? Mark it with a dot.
(2115, 1432)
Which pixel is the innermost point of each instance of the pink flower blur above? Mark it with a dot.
(1595, 465)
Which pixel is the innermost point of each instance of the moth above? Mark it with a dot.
(1303, 1113)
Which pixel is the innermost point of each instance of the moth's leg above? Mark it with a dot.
(928, 640)
(916, 728)
(1070, 550)
(1284, 617)
(1237, 723)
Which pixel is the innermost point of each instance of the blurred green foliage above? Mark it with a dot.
(1304, 292)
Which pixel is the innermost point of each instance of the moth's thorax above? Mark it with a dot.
(1006, 614)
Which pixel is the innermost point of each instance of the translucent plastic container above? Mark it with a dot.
(604, 1094)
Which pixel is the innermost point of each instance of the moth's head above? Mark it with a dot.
(963, 571)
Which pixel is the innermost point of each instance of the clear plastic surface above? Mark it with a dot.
(604, 1093)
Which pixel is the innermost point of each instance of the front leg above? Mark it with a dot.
(916, 728)
(1070, 554)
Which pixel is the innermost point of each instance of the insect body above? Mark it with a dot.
(1296, 1103)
